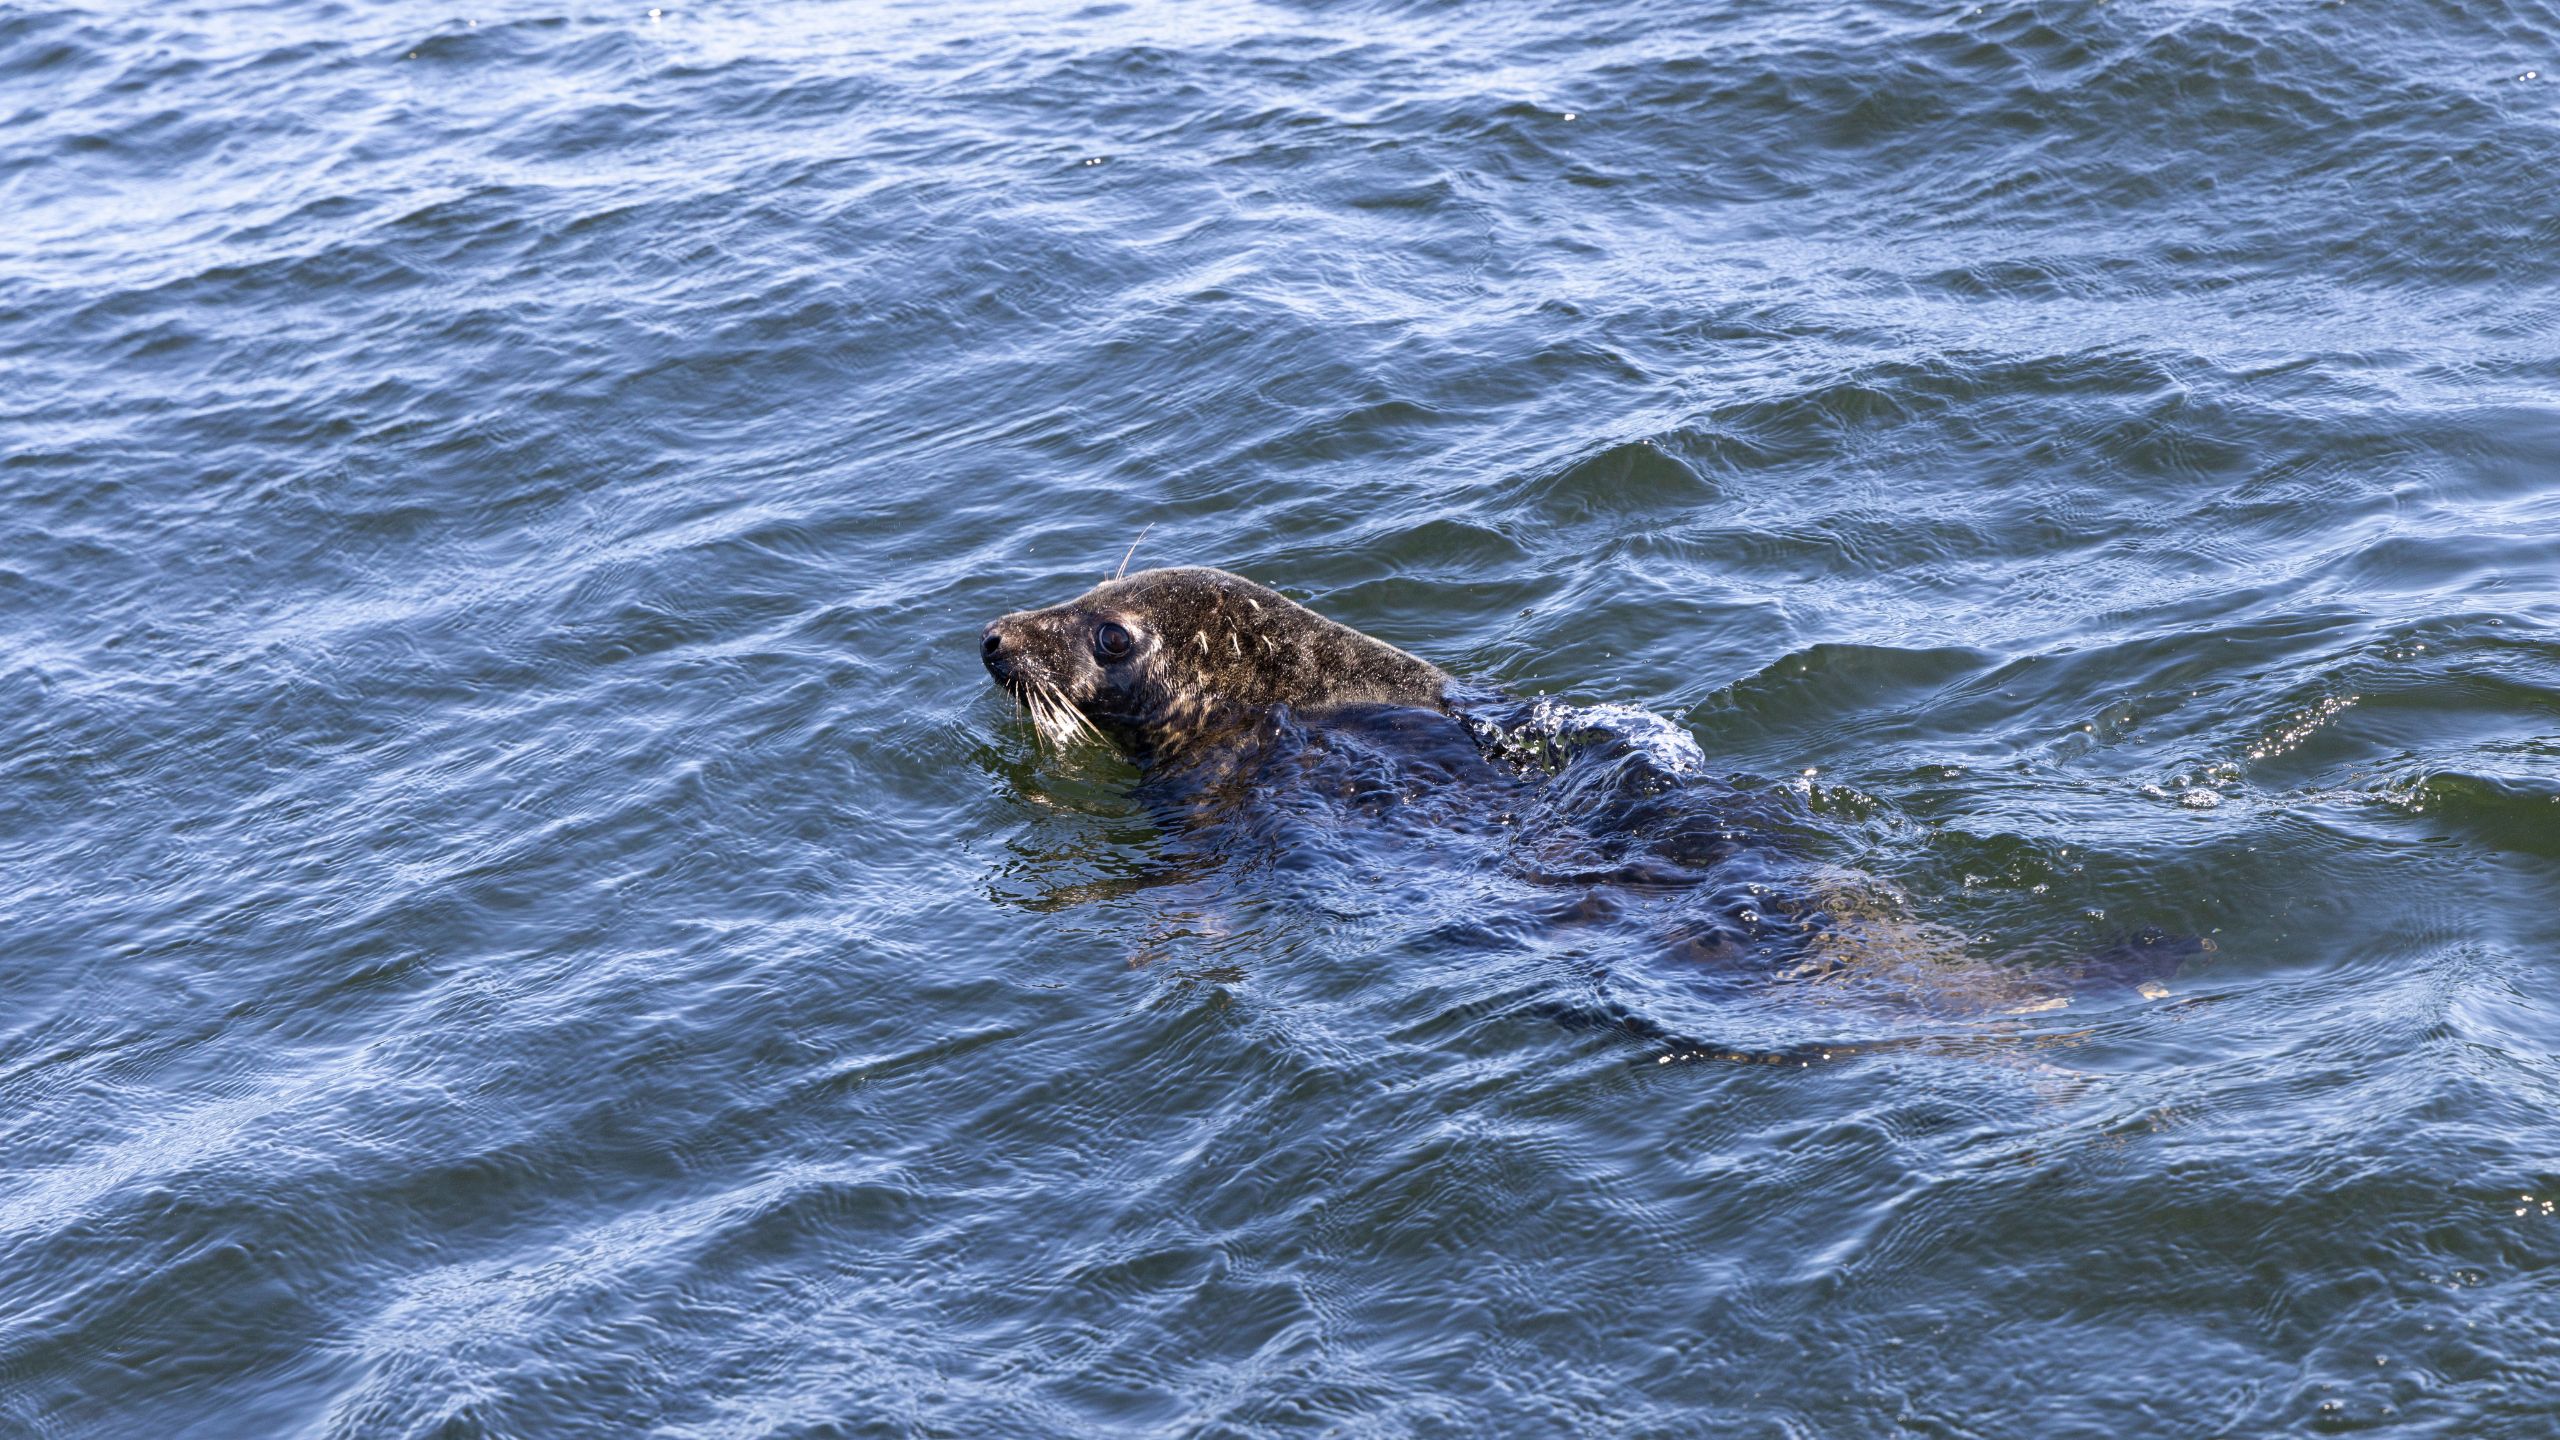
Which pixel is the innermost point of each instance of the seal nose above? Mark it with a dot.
(991, 650)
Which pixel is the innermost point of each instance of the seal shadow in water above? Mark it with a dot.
(1308, 762)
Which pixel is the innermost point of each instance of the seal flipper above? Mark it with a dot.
(1598, 1011)
(2143, 962)
(2140, 963)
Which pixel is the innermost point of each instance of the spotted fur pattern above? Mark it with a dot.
(1208, 652)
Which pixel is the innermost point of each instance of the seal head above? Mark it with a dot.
(1159, 661)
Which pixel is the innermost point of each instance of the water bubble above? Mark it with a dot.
(2199, 799)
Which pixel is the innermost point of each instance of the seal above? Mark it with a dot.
(1162, 662)
(1609, 806)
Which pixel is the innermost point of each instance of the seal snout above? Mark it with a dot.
(996, 650)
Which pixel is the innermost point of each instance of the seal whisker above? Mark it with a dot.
(1031, 706)
(1133, 550)
(1062, 723)
(1028, 698)
(1054, 718)
(1083, 723)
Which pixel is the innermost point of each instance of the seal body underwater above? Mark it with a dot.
(1206, 678)
(1163, 661)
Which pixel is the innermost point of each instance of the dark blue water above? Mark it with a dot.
(521, 915)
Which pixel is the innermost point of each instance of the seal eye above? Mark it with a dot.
(1111, 642)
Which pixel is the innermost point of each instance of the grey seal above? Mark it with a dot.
(1160, 662)
(1167, 665)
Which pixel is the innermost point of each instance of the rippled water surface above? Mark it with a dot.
(524, 916)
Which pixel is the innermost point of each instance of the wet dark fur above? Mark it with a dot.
(1211, 653)
(1214, 658)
